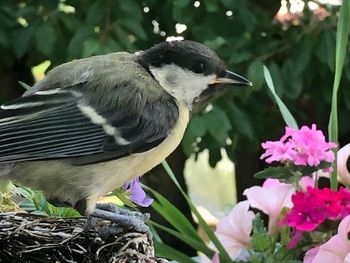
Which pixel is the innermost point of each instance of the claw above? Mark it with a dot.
(125, 218)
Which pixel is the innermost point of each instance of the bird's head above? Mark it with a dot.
(189, 71)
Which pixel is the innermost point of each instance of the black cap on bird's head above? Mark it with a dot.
(189, 70)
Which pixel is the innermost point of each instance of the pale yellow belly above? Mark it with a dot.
(58, 178)
(125, 169)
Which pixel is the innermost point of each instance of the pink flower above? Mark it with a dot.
(335, 250)
(277, 151)
(271, 198)
(302, 147)
(234, 230)
(306, 213)
(305, 182)
(342, 167)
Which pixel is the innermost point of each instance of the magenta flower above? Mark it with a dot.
(301, 147)
(137, 195)
(313, 207)
(306, 213)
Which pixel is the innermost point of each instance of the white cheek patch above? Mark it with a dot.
(181, 83)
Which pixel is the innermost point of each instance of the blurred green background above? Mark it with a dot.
(295, 39)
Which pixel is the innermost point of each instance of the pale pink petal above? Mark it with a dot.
(234, 230)
(270, 200)
(310, 254)
(305, 182)
(216, 258)
(343, 173)
(336, 249)
(271, 182)
(344, 229)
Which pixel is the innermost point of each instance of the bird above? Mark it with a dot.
(95, 123)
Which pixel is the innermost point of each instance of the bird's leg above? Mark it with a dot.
(125, 218)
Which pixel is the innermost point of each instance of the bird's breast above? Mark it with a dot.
(119, 171)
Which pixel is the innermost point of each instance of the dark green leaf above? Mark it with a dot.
(211, 5)
(181, 3)
(133, 10)
(218, 124)
(256, 74)
(308, 170)
(276, 75)
(45, 38)
(292, 79)
(301, 53)
(262, 241)
(95, 13)
(173, 216)
(91, 47)
(163, 250)
(325, 50)
(198, 245)
(274, 172)
(135, 27)
(76, 45)
(197, 126)
(22, 39)
(240, 120)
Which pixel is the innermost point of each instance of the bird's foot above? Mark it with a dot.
(123, 217)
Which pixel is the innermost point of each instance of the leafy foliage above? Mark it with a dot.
(299, 56)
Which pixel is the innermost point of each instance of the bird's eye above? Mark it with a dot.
(198, 67)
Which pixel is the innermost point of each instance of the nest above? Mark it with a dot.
(30, 238)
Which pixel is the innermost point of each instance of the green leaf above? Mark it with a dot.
(325, 49)
(279, 172)
(224, 256)
(91, 47)
(135, 27)
(194, 243)
(4, 38)
(24, 85)
(280, 85)
(240, 119)
(343, 29)
(76, 45)
(307, 170)
(287, 116)
(181, 3)
(256, 74)
(45, 38)
(163, 250)
(132, 9)
(301, 53)
(218, 124)
(22, 39)
(211, 5)
(95, 13)
(292, 78)
(262, 241)
(197, 126)
(173, 215)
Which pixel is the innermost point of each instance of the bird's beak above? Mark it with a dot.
(230, 78)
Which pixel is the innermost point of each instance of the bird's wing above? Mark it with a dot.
(61, 123)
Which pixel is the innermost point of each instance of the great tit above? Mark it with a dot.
(93, 124)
